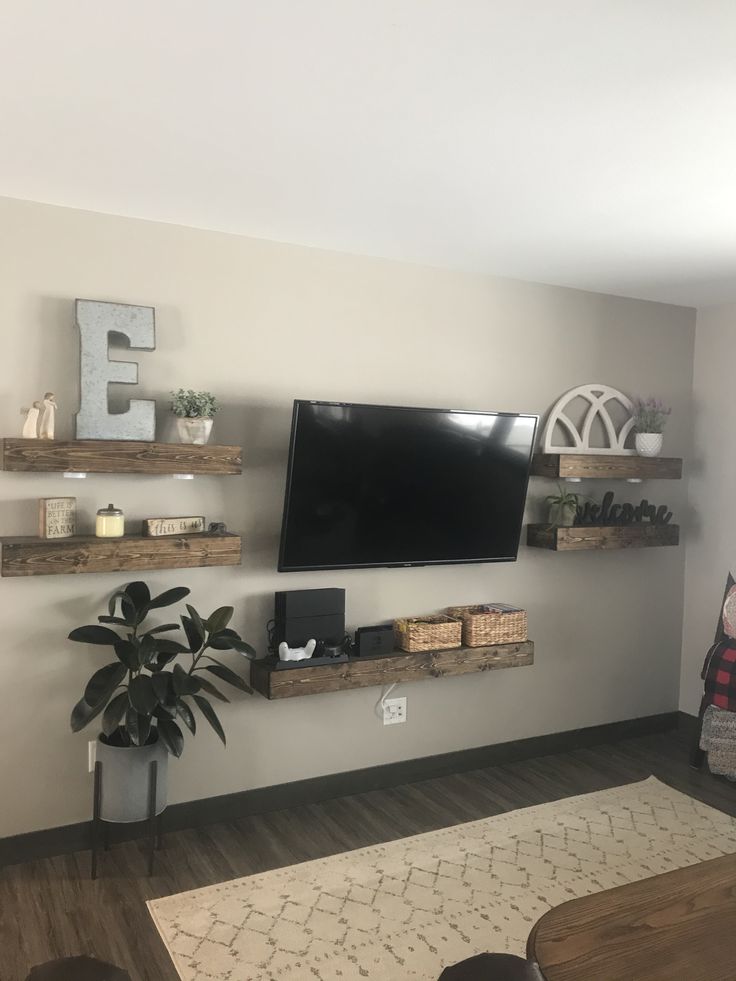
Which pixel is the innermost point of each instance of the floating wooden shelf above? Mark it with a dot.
(599, 467)
(117, 456)
(42, 557)
(601, 536)
(365, 672)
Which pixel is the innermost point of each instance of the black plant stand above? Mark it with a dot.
(101, 829)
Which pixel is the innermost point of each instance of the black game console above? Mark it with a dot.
(374, 641)
(303, 614)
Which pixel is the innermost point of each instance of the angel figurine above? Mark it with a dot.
(48, 419)
(30, 426)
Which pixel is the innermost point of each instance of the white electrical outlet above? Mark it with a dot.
(91, 755)
(394, 711)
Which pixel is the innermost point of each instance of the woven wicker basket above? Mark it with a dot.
(435, 633)
(491, 624)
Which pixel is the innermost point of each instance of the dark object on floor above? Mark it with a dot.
(77, 969)
(492, 967)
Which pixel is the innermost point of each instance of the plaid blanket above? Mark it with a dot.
(719, 676)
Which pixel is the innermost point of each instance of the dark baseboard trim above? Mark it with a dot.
(229, 807)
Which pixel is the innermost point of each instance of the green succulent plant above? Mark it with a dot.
(194, 405)
(146, 688)
(562, 506)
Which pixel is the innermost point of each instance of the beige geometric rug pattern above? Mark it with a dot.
(408, 908)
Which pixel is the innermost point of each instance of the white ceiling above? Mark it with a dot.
(589, 143)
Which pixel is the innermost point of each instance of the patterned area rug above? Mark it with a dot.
(408, 908)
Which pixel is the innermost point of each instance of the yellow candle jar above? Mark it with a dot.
(110, 522)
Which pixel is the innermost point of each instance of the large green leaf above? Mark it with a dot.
(221, 640)
(103, 683)
(147, 650)
(184, 684)
(225, 674)
(196, 620)
(162, 686)
(142, 694)
(166, 646)
(242, 648)
(195, 637)
(165, 711)
(161, 629)
(93, 633)
(114, 712)
(160, 661)
(171, 736)
(127, 606)
(207, 686)
(139, 594)
(229, 640)
(112, 602)
(209, 713)
(83, 713)
(218, 620)
(187, 716)
(138, 726)
(128, 654)
(168, 598)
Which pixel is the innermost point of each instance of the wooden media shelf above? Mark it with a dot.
(601, 537)
(117, 456)
(87, 553)
(593, 466)
(366, 672)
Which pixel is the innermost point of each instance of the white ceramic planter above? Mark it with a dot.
(126, 775)
(648, 444)
(195, 431)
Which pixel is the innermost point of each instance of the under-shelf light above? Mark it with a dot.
(183, 476)
(74, 475)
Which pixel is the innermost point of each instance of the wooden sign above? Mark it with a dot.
(160, 527)
(57, 517)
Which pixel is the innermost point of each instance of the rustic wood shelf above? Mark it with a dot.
(593, 466)
(601, 537)
(365, 672)
(43, 557)
(117, 456)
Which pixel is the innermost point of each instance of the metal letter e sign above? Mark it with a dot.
(96, 321)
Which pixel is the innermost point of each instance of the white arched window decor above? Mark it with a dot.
(598, 397)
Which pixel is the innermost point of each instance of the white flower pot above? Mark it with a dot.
(648, 444)
(126, 775)
(195, 431)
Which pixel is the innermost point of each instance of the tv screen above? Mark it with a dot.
(379, 485)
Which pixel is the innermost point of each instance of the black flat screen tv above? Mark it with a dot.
(380, 485)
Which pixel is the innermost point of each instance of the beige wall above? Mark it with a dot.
(711, 550)
(260, 324)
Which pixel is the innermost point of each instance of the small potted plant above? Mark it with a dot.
(144, 691)
(563, 508)
(650, 416)
(194, 413)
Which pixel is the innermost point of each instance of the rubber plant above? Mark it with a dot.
(147, 686)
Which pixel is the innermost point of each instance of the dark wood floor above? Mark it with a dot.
(51, 909)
